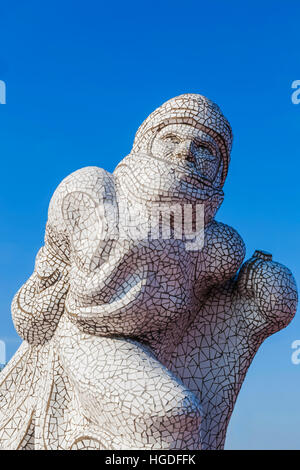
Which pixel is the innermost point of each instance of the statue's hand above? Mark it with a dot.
(272, 287)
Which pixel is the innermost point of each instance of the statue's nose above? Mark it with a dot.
(184, 149)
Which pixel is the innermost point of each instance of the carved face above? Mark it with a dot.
(190, 148)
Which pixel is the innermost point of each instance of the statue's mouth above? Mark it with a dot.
(188, 173)
(197, 179)
(183, 182)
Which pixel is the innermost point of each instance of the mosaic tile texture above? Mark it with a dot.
(134, 339)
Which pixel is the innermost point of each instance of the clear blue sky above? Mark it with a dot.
(82, 76)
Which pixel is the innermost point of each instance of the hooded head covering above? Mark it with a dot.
(192, 109)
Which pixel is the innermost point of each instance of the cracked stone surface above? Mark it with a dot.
(140, 319)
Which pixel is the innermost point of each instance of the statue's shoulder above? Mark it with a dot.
(92, 181)
(223, 251)
(218, 231)
(86, 178)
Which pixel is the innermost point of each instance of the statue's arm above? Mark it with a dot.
(39, 303)
(262, 286)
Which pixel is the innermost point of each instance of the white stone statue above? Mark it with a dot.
(138, 324)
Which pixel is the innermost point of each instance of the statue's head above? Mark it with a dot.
(191, 131)
(180, 154)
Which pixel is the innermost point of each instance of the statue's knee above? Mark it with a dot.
(186, 416)
(180, 420)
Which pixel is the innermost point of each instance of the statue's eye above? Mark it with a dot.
(201, 147)
(171, 139)
(204, 148)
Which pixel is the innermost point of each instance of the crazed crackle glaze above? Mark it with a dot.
(135, 341)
